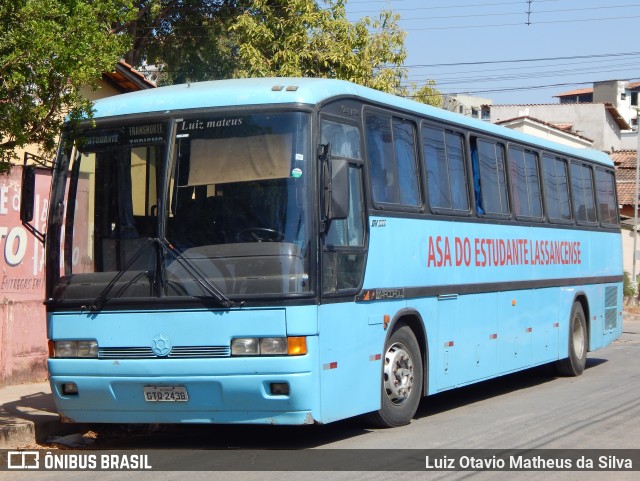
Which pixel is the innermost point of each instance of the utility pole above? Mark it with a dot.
(635, 203)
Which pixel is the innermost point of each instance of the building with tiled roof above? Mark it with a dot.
(625, 162)
(622, 94)
(562, 133)
(576, 96)
(600, 122)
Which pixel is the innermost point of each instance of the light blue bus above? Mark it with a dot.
(300, 251)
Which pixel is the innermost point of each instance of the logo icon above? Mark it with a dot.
(161, 345)
(23, 459)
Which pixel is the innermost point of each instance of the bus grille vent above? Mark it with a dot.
(610, 307)
(177, 352)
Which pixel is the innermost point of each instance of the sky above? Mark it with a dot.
(518, 51)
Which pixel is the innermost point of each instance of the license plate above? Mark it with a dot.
(165, 394)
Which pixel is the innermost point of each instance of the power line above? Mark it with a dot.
(508, 69)
(524, 23)
(557, 73)
(448, 7)
(537, 12)
(521, 60)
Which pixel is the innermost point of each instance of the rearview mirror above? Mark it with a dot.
(337, 190)
(28, 192)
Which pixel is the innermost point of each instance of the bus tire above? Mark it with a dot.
(575, 363)
(401, 380)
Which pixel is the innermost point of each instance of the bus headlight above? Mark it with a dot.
(78, 349)
(269, 346)
(245, 346)
(273, 346)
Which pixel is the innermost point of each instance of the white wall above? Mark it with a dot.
(588, 120)
(627, 251)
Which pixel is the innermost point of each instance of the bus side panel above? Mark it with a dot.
(352, 338)
(471, 347)
(605, 323)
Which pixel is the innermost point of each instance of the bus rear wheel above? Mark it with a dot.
(401, 380)
(575, 363)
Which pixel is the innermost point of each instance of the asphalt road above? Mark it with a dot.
(528, 410)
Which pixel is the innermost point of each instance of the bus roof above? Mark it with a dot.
(311, 91)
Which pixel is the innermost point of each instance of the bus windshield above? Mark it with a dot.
(228, 217)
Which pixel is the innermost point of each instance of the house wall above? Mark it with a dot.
(101, 91)
(613, 91)
(23, 335)
(629, 140)
(627, 251)
(589, 120)
(465, 104)
(546, 132)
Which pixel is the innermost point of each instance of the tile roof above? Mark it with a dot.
(625, 162)
(566, 128)
(624, 159)
(127, 79)
(572, 93)
(626, 192)
(617, 117)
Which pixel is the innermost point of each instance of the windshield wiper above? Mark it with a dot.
(223, 300)
(197, 276)
(98, 304)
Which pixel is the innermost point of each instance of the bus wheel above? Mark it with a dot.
(401, 380)
(575, 363)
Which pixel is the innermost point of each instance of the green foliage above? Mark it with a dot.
(299, 38)
(51, 48)
(192, 40)
(186, 39)
(427, 94)
(48, 50)
(629, 288)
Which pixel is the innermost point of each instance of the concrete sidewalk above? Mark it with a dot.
(27, 415)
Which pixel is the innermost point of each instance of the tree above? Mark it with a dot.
(48, 50)
(427, 94)
(188, 39)
(299, 38)
(194, 40)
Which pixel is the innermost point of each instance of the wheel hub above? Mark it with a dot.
(398, 374)
(578, 338)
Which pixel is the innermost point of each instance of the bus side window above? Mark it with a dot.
(556, 188)
(523, 167)
(404, 144)
(490, 177)
(393, 163)
(445, 165)
(343, 254)
(583, 196)
(606, 194)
